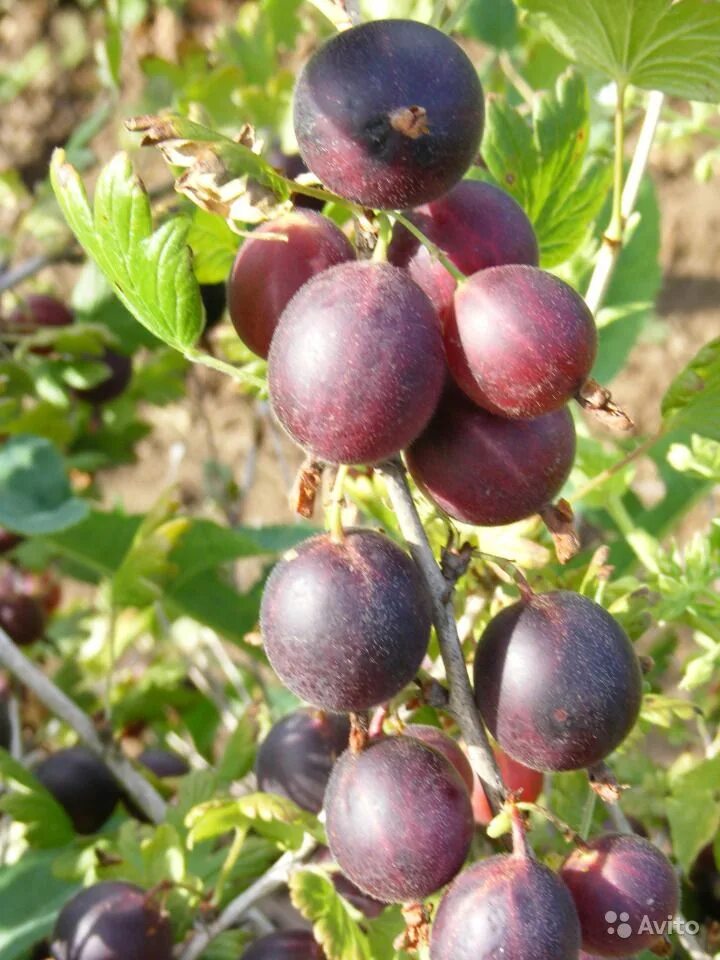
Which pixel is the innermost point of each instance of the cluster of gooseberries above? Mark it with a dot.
(466, 365)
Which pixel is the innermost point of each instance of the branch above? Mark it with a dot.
(28, 268)
(137, 787)
(610, 250)
(275, 877)
(462, 704)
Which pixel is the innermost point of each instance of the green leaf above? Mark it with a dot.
(694, 820)
(151, 273)
(701, 458)
(273, 817)
(693, 398)
(653, 44)
(214, 246)
(335, 922)
(544, 165)
(493, 22)
(35, 494)
(31, 898)
(239, 754)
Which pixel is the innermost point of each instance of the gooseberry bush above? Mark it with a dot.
(461, 703)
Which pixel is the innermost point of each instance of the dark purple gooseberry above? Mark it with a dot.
(704, 885)
(346, 625)
(297, 756)
(520, 342)
(285, 945)
(477, 225)
(506, 906)
(5, 724)
(82, 785)
(448, 747)
(163, 763)
(214, 298)
(9, 540)
(621, 874)
(115, 384)
(487, 470)
(21, 616)
(356, 364)
(111, 921)
(398, 818)
(267, 273)
(368, 906)
(389, 113)
(557, 681)
(38, 311)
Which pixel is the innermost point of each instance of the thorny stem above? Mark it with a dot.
(610, 251)
(432, 247)
(270, 881)
(461, 703)
(141, 792)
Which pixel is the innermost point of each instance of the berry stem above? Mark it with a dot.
(521, 847)
(461, 703)
(140, 790)
(587, 814)
(335, 524)
(616, 228)
(432, 247)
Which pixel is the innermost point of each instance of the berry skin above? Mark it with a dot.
(620, 874)
(38, 311)
(445, 745)
(356, 364)
(111, 921)
(9, 540)
(477, 225)
(520, 342)
(519, 779)
(557, 681)
(45, 588)
(506, 906)
(297, 756)
(285, 945)
(115, 384)
(82, 785)
(389, 114)
(163, 763)
(398, 819)
(704, 886)
(346, 625)
(22, 616)
(486, 470)
(268, 273)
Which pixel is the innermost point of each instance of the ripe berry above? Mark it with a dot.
(346, 625)
(119, 376)
(527, 784)
(389, 114)
(506, 906)
(38, 311)
(285, 945)
(21, 616)
(297, 756)
(445, 745)
(704, 885)
(477, 226)
(82, 785)
(356, 364)
(486, 470)
(557, 681)
(399, 821)
(44, 587)
(214, 298)
(620, 874)
(163, 763)
(268, 273)
(111, 921)
(520, 342)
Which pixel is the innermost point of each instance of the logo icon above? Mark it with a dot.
(623, 929)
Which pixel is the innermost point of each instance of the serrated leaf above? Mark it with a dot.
(693, 398)
(151, 273)
(543, 165)
(239, 754)
(214, 246)
(271, 816)
(694, 820)
(655, 44)
(35, 494)
(335, 922)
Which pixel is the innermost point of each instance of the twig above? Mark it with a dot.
(616, 467)
(138, 788)
(273, 878)
(28, 268)
(610, 250)
(461, 702)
